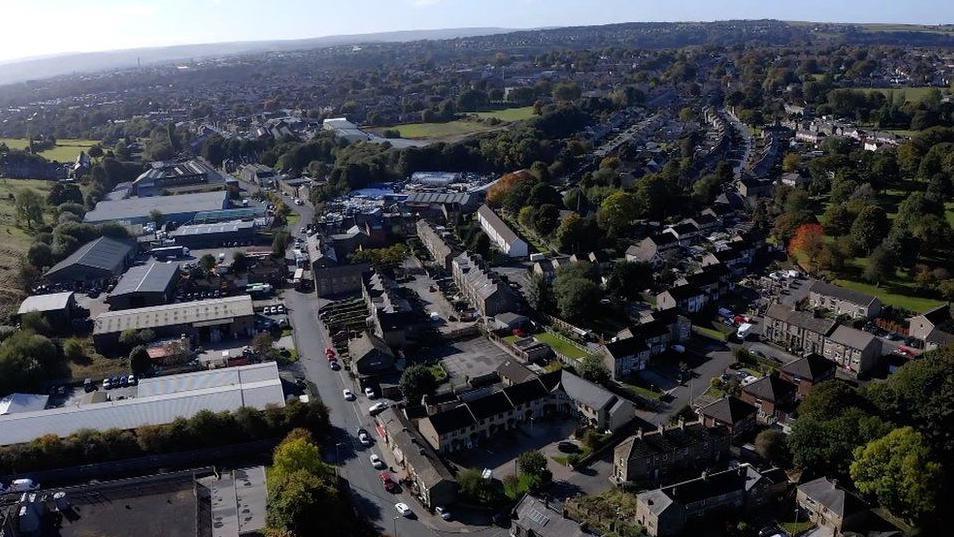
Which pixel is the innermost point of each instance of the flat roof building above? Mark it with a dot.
(180, 209)
(157, 401)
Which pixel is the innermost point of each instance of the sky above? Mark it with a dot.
(44, 27)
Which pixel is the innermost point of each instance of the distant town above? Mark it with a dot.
(655, 279)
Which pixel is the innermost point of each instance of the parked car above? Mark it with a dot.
(389, 484)
(335, 366)
(107, 384)
(568, 447)
(348, 394)
(442, 512)
(364, 437)
(376, 461)
(132, 380)
(377, 408)
(370, 393)
(404, 510)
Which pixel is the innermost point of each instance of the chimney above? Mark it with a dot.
(705, 474)
(660, 428)
(639, 433)
(682, 423)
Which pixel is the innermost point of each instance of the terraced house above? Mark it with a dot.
(656, 454)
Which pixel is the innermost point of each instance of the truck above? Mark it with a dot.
(170, 252)
(744, 331)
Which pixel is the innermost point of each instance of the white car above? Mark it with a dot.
(377, 408)
(370, 393)
(377, 462)
(348, 394)
(364, 437)
(442, 512)
(403, 509)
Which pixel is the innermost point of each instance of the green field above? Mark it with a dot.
(509, 114)
(14, 241)
(66, 149)
(914, 95)
(893, 294)
(562, 346)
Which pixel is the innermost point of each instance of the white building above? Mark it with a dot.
(500, 233)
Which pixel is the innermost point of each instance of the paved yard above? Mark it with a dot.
(469, 358)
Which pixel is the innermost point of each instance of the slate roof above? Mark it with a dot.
(826, 493)
(151, 278)
(853, 338)
(729, 410)
(770, 388)
(451, 420)
(533, 515)
(810, 367)
(514, 371)
(103, 253)
(800, 319)
(586, 392)
(667, 441)
(849, 295)
(525, 392)
(489, 406)
(497, 224)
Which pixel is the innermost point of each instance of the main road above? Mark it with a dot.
(343, 449)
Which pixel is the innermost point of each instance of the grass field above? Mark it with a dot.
(66, 149)
(509, 114)
(14, 240)
(460, 127)
(914, 95)
(893, 294)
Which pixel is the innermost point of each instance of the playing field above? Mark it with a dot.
(66, 149)
(914, 95)
(461, 127)
(509, 114)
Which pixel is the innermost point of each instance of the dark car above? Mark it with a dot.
(568, 447)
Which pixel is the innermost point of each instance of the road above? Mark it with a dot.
(347, 417)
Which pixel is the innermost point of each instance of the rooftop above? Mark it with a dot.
(841, 293)
(151, 278)
(103, 253)
(131, 208)
(173, 314)
(49, 302)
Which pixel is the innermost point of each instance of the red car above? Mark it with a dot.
(389, 484)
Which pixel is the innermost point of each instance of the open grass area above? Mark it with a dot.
(914, 94)
(95, 365)
(794, 528)
(509, 114)
(562, 345)
(710, 333)
(14, 240)
(893, 294)
(451, 129)
(640, 391)
(65, 150)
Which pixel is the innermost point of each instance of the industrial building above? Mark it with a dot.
(180, 177)
(203, 321)
(157, 401)
(56, 308)
(213, 235)
(93, 263)
(180, 209)
(145, 285)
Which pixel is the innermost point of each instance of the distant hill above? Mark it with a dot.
(83, 62)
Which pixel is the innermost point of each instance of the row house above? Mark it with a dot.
(482, 286)
(773, 398)
(433, 240)
(806, 373)
(843, 301)
(391, 317)
(501, 235)
(655, 455)
(635, 346)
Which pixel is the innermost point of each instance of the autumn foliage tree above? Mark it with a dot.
(806, 245)
(497, 194)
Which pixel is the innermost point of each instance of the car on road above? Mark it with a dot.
(442, 512)
(377, 408)
(370, 393)
(389, 483)
(377, 462)
(334, 365)
(364, 437)
(348, 394)
(404, 510)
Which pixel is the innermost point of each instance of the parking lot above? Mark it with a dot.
(432, 297)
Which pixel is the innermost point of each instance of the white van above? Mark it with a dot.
(23, 485)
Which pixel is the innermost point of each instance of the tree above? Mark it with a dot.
(29, 207)
(156, 216)
(297, 452)
(771, 445)
(870, 228)
(240, 262)
(35, 322)
(900, 471)
(567, 92)
(576, 298)
(207, 262)
(263, 345)
(627, 280)
(881, 265)
(546, 218)
(500, 191)
(416, 382)
(617, 212)
(592, 369)
(806, 245)
(837, 219)
(40, 255)
(474, 487)
(571, 233)
(280, 243)
(139, 361)
(790, 162)
(540, 294)
(74, 350)
(533, 464)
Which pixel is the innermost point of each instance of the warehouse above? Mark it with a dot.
(194, 175)
(145, 285)
(57, 308)
(180, 209)
(203, 321)
(93, 263)
(157, 401)
(198, 236)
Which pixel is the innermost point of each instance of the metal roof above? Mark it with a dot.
(210, 229)
(255, 386)
(174, 314)
(22, 402)
(49, 302)
(104, 253)
(168, 205)
(151, 278)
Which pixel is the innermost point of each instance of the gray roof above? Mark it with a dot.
(497, 224)
(174, 314)
(169, 205)
(209, 229)
(849, 295)
(460, 198)
(151, 278)
(535, 515)
(103, 253)
(158, 401)
(826, 493)
(586, 392)
(418, 454)
(729, 410)
(49, 302)
(801, 319)
(852, 337)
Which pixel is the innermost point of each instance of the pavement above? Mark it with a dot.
(346, 417)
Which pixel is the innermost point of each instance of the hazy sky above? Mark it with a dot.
(40, 27)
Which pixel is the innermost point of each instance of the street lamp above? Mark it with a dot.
(337, 457)
(394, 521)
